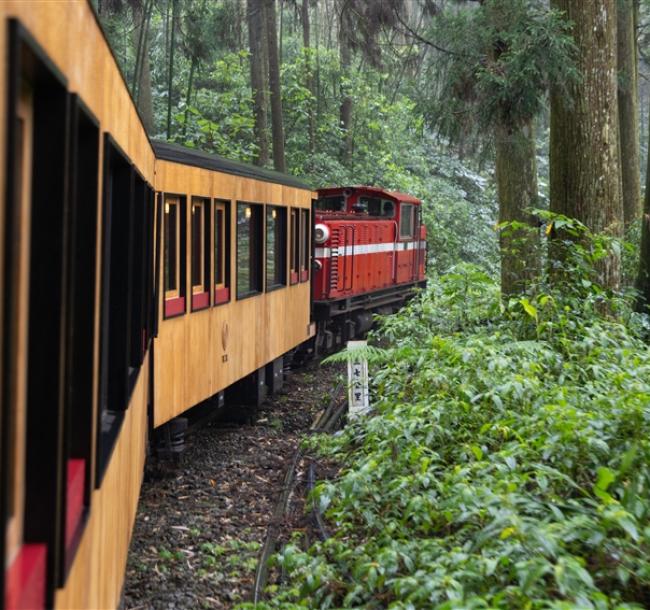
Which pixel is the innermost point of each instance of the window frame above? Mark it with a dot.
(220, 290)
(294, 246)
(281, 254)
(175, 303)
(255, 250)
(201, 291)
(170, 201)
(411, 234)
(305, 244)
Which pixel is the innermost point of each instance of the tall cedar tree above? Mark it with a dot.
(309, 75)
(255, 18)
(345, 54)
(585, 178)
(643, 278)
(496, 61)
(277, 124)
(628, 110)
(141, 84)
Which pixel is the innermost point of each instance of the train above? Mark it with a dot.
(142, 280)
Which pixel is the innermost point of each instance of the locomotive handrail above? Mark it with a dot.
(395, 242)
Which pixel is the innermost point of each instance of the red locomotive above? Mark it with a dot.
(369, 254)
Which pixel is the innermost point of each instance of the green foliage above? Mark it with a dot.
(499, 60)
(507, 463)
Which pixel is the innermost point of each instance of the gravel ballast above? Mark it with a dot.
(200, 528)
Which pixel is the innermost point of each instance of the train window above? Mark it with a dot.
(174, 255)
(221, 252)
(116, 284)
(371, 205)
(406, 221)
(387, 208)
(16, 294)
(331, 204)
(249, 249)
(276, 247)
(80, 327)
(200, 253)
(35, 311)
(139, 213)
(305, 241)
(295, 247)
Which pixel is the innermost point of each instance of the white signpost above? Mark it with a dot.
(358, 399)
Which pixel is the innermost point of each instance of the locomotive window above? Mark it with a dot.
(371, 205)
(221, 252)
(305, 253)
(276, 247)
(331, 204)
(200, 253)
(387, 208)
(249, 249)
(174, 255)
(406, 221)
(294, 254)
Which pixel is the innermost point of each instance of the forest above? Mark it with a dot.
(507, 460)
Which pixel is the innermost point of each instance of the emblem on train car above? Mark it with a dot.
(225, 331)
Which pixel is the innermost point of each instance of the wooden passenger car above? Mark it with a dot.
(233, 306)
(137, 281)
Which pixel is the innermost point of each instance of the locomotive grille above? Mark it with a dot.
(335, 241)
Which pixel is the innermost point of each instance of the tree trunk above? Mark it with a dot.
(516, 175)
(585, 174)
(255, 39)
(345, 112)
(141, 86)
(628, 112)
(309, 76)
(277, 123)
(643, 279)
(188, 96)
(170, 77)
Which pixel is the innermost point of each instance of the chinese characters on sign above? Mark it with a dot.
(358, 400)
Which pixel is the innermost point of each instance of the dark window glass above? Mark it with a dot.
(406, 221)
(331, 204)
(197, 245)
(388, 208)
(295, 245)
(276, 246)
(249, 249)
(219, 244)
(171, 246)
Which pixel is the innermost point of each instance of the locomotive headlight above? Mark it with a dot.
(321, 233)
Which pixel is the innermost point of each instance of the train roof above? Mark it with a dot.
(375, 190)
(191, 156)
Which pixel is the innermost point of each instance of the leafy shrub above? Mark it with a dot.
(507, 461)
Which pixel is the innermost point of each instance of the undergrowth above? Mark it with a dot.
(506, 462)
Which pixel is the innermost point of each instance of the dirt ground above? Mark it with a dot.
(200, 528)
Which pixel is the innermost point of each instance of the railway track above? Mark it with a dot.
(202, 528)
(325, 422)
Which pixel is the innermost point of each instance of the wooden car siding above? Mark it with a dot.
(191, 362)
